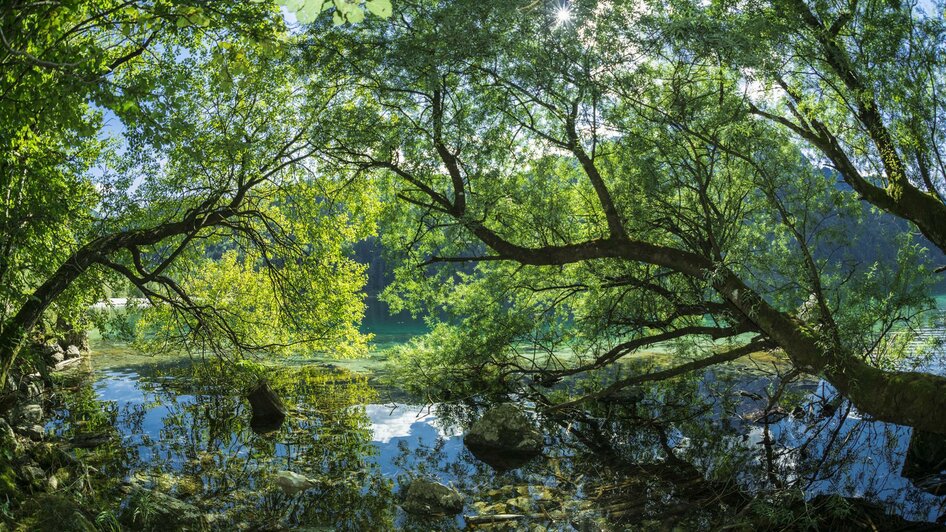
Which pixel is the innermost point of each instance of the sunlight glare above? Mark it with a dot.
(562, 15)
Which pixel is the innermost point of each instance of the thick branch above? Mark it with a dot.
(719, 358)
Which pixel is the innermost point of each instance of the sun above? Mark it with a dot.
(563, 14)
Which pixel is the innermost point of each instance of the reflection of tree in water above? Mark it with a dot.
(704, 450)
(696, 451)
(206, 453)
(767, 437)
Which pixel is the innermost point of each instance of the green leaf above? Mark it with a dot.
(379, 8)
(309, 12)
(356, 15)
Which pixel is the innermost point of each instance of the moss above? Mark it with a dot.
(54, 512)
(8, 489)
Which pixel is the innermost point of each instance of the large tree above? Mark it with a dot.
(861, 82)
(199, 194)
(614, 193)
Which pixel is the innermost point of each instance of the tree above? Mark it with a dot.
(343, 11)
(214, 161)
(860, 82)
(615, 193)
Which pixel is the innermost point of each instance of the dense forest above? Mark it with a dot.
(694, 246)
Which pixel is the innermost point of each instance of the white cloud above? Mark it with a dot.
(389, 422)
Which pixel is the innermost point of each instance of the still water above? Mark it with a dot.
(698, 452)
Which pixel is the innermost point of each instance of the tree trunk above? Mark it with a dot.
(20, 325)
(905, 398)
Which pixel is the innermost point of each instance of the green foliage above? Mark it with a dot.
(58, 80)
(666, 127)
(285, 282)
(203, 114)
(352, 11)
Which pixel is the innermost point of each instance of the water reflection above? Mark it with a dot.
(689, 452)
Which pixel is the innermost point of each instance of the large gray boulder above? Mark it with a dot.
(73, 351)
(53, 354)
(150, 510)
(505, 437)
(426, 497)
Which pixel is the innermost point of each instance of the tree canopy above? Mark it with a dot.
(622, 180)
(560, 192)
(200, 193)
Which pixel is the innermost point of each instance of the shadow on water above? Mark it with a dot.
(706, 451)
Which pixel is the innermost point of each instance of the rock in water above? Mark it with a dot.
(268, 409)
(426, 497)
(67, 363)
(292, 483)
(505, 437)
(151, 510)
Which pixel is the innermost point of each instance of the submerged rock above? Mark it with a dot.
(90, 440)
(56, 512)
(268, 409)
(426, 497)
(292, 483)
(505, 437)
(150, 510)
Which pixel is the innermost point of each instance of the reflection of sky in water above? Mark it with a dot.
(398, 421)
(876, 472)
(413, 427)
(873, 455)
(120, 386)
(393, 426)
(124, 388)
(409, 438)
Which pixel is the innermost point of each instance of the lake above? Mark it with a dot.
(701, 451)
